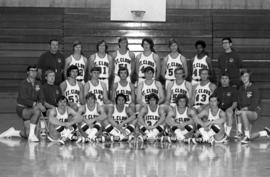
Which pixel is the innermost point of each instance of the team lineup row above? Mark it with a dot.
(31, 94)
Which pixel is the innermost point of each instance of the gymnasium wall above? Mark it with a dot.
(25, 32)
(176, 4)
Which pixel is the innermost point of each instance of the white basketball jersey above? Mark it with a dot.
(72, 92)
(103, 63)
(148, 89)
(97, 90)
(122, 61)
(62, 117)
(178, 89)
(197, 65)
(152, 117)
(119, 117)
(126, 90)
(146, 61)
(80, 64)
(172, 64)
(202, 94)
(181, 118)
(212, 117)
(90, 114)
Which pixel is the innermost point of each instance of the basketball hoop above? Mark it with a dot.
(138, 14)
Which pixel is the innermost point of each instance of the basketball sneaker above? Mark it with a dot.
(267, 130)
(245, 140)
(11, 132)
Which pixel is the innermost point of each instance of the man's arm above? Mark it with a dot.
(105, 94)
(169, 93)
(113, 96)
(133, 62)
(81, 95)
(184, 63)
(91, 63)
(164, 66)
(131, 116)
(53, 120)
(67, 63)
(157, 60)
(141, 114)
(63, 87)
(160, 92)
(76, 117)
(110, 117)
(139, 94)
(132, 93)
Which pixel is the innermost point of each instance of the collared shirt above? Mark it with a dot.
(226, 96)
(55, 62)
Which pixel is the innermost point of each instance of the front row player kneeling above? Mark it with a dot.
(151, 119)
(210, 123)
(121, 119)
(93, 114)
(181, 118)
(63, 122)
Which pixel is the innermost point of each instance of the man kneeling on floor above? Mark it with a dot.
(211, 122)
(29, 106)
(63, 120)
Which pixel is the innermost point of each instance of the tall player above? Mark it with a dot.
(249, 108)
(151, 119)
(78, 60)
(172, 61)
(93, 115)
(97, 87)
(123, 58)
(211, 122)
(200, 61)
(178, 86)
(72, 89)
(202, 91)
(147, 58)
(181, 118)
(124, 86)
(61, 119)
(121, 119)
(103, 60)
(147, 87)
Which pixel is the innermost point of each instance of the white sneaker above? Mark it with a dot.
(9, 133)
(33, 138)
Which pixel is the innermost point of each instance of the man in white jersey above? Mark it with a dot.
(178, 86)
(72, 89)
(123, 58)
(200, 61)
(147, 58)
(62, 120)
(149, 86)
(202, 91)
(151, 119)
(97, 87)
(172, 61)
(181, 118)
(78, 60)
(121, 119)
(103, 60)
(93, 115)
(211, 121)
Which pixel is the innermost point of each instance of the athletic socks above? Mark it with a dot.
(263, 133)
(228, 130)
(247, 133)
(239, 127)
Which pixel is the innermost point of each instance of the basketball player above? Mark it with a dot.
(172, 61)
(249, 108)
(227, 95)
(123, 58)
(202, 91)
(121, 119)
(147, 58)
(62, 119)
(103, 60)
(93, 114)
(29, 106)
(211, 122)
(97, 87)
(78, 60)
(200, 61)
(72, 89)
(181, 118)
(151, 119)
(178, 86)
(125, 87)
(149, 86)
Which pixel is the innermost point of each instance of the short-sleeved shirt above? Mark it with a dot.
(55, 62)
(226, 96)
(230, 63)
(51, 92)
